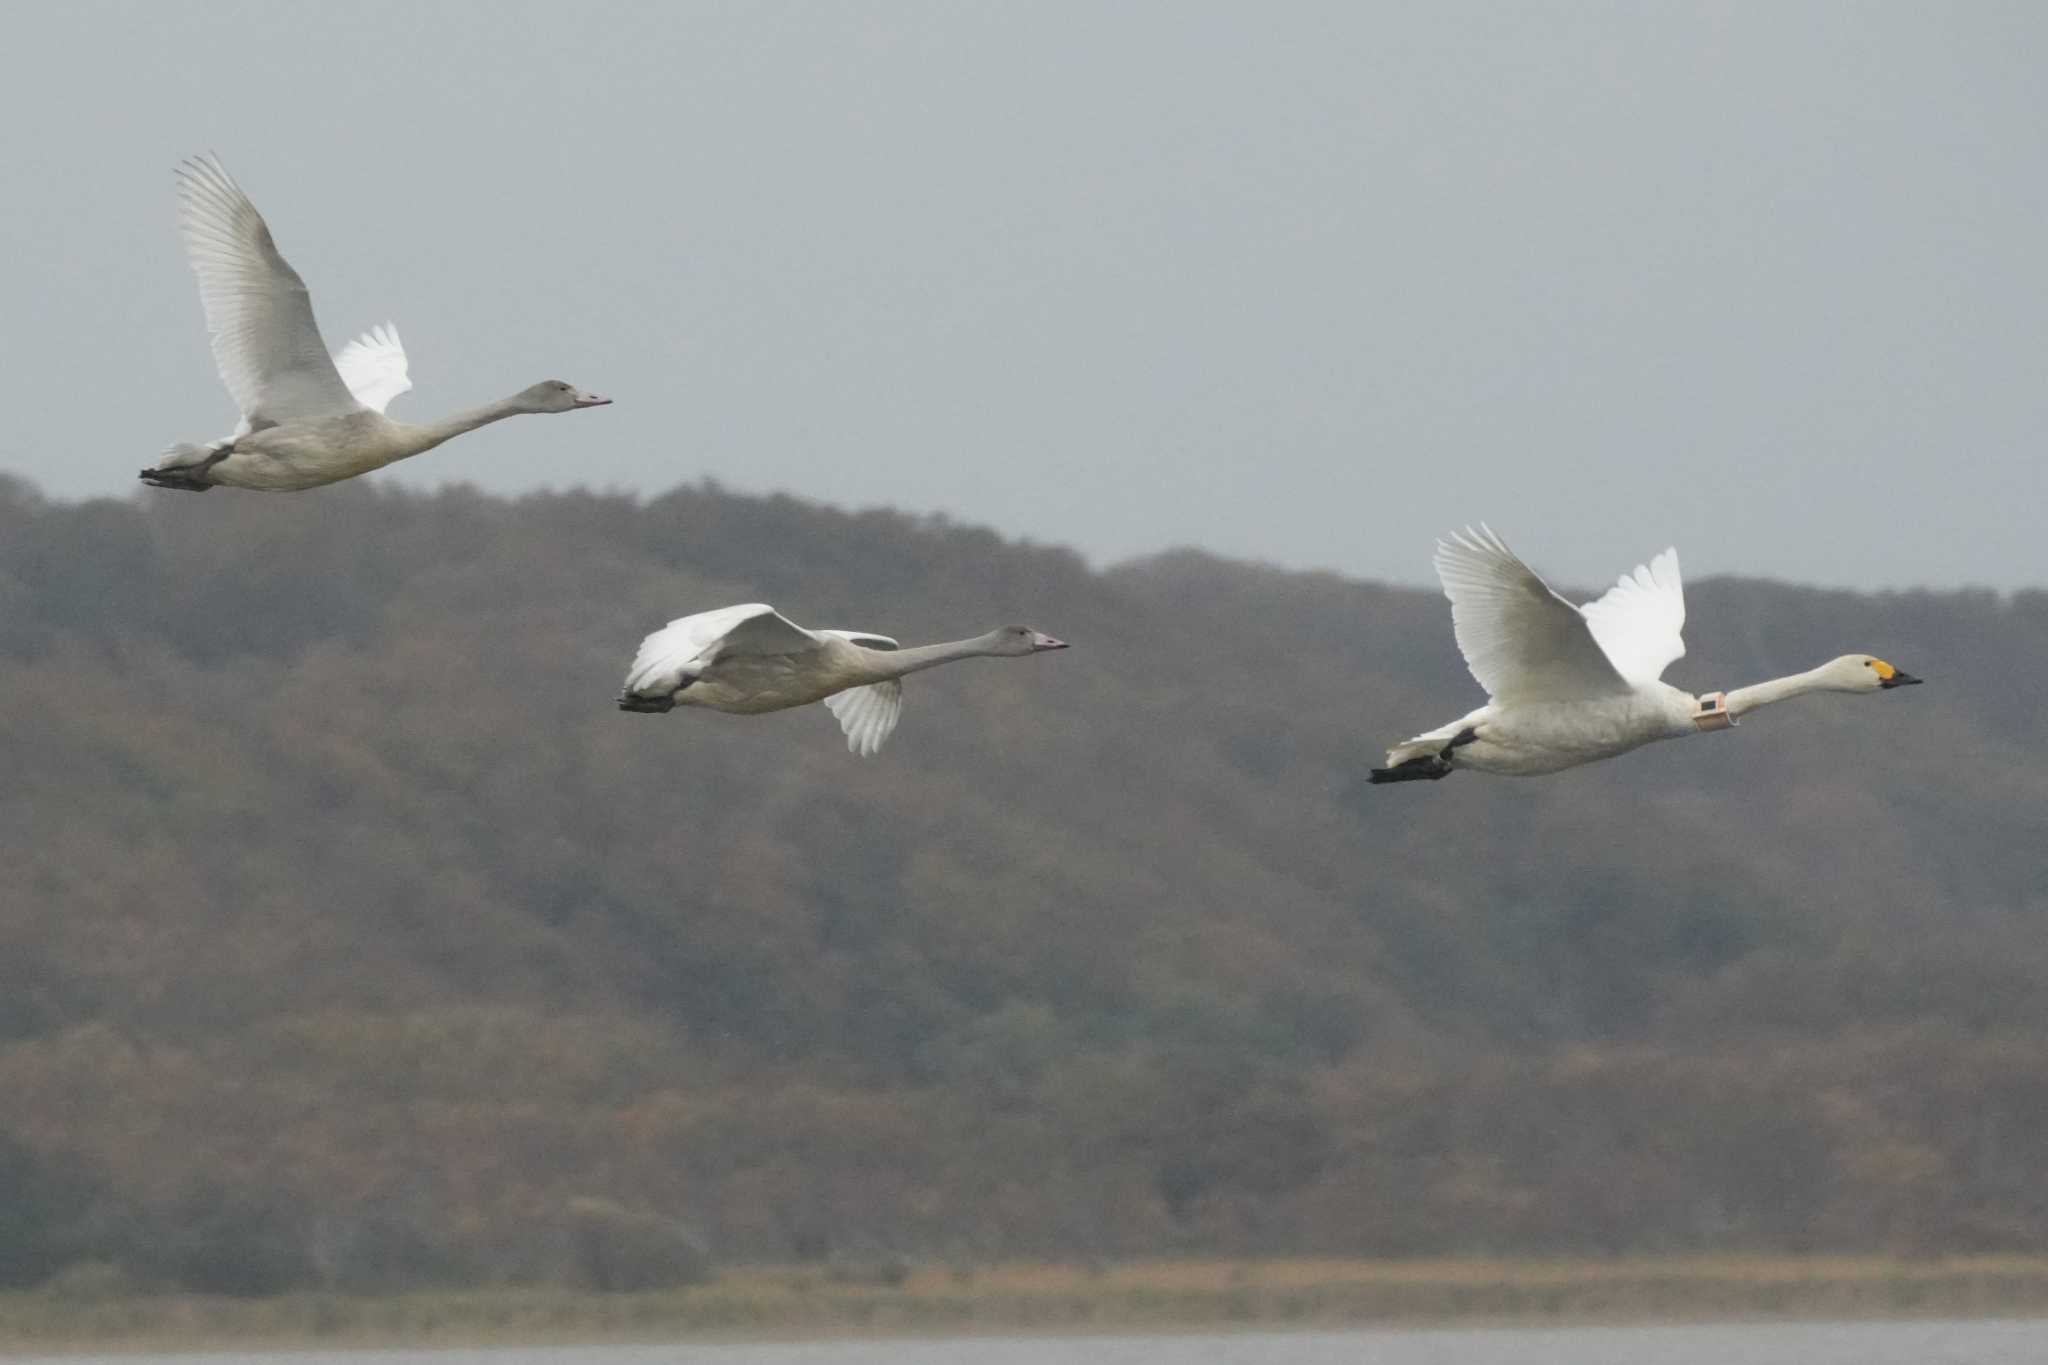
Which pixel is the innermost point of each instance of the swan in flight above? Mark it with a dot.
(1571, 685)
(750, 658)
(307, 419)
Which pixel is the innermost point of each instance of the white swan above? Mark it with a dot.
(750, 658)
(307, 419)
(1571, 685)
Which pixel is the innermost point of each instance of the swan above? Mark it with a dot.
(307, 418)
(749, 658)
(1571, 685)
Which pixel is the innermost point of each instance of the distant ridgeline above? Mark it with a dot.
(351, 936)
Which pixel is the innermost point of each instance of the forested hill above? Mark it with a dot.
(348, 933)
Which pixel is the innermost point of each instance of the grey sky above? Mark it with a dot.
(1302, 282)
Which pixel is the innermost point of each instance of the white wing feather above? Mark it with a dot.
(868, 714)
(265, 340)
(374, 367)
(689, 644)
(1521, 640)
(767, 631)
(1640, 622)
(863, 638)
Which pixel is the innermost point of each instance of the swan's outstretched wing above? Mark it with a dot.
(1521, 640)
(764, 630)
(690, 644)
(373, 366)
(265, 341)
(863, 639)
(868, 714)
(1640, 622)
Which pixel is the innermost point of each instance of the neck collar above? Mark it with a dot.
(1711, 713)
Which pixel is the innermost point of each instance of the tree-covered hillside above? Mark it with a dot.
(349, 935)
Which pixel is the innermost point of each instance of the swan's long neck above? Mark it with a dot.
(895, 663)
(1746, 699)
(427, 435)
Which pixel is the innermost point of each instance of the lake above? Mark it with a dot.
(1806, 1343)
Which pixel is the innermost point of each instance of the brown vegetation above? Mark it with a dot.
(350, 937)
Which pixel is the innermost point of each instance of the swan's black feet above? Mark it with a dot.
(1427, 768)
(187, 467)
(184, 480)
(631, 701)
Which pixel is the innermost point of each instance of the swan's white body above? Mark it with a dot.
(307, 418)
(749, 659)
(1572, 685)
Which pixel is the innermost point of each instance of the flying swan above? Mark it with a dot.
(307, 419)
(1572, 685)
(750, 658)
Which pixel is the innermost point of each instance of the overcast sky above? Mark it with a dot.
(1308, 283)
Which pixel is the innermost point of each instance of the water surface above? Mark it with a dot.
(1806, 1343)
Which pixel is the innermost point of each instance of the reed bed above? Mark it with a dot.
(1150, 1296)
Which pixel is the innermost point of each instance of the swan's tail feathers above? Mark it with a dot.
(1426, 768)
(1424, 758)
(185, 466)
(653, 706)
(185, 455)
(1422, 746)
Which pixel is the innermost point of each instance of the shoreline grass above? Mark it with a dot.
(767, 1303)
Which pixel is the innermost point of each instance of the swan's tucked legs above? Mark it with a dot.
(185, 466)
(1426, 767)
(655, 706)
(188, 480)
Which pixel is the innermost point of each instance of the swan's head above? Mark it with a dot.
(1863, 673)
(552, 395)
(1021, 640)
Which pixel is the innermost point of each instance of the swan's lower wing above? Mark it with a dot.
(265, 340)
(690, 644)
(1521, 640)
(868, 714)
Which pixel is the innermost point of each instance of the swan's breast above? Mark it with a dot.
(749, 684)
(307, 454)
(1530, 739)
